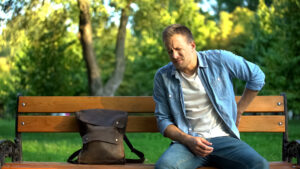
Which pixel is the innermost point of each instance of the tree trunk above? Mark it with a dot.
(86, 39)
(95, 84)
(117, 77)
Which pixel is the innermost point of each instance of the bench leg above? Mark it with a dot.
(8, 149)
(293, 151)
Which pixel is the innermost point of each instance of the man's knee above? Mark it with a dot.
(165, 164)
(179, 156)
(260, 163)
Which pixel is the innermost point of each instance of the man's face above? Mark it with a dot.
(181, 52)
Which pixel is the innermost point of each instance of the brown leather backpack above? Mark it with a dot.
(102, 132)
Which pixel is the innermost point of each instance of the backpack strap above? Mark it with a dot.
(71, 158)
(135, 151)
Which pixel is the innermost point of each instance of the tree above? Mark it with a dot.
(43, 59)
(231, 5)
(148, 53)
(46, 57)
(96, 86)
(275, 43)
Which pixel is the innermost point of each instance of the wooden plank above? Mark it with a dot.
(60, 165)
(142, 104)
(69, 124)
(66, 104)
(265, 104)
(47, 124)
(141, 124)
(270, 123)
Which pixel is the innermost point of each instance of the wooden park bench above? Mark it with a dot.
(34, 114)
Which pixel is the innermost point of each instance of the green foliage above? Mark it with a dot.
(276, 44)
(45, 59)
(6, 88)
(43, 54)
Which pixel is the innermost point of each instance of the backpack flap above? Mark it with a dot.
(102, 117)
(87, 119)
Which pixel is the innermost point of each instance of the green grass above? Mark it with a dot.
(58, 146)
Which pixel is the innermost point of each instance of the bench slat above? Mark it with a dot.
(60, 165)
(66, 104)
(69, 124)
(265, 104)
(270, 123)
(142, 104)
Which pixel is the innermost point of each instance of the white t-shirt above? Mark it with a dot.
(200, 112)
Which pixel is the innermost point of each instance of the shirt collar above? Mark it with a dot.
(202, 60)
(173, 71)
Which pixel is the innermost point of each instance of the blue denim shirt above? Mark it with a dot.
(216, 70)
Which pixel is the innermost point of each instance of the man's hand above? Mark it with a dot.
(199, 146)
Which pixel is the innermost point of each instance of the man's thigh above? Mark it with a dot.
(233, 153)
(179, 156)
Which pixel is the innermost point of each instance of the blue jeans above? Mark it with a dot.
(228, 153)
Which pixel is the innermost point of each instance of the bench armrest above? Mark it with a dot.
(7, 149)
(293, 151)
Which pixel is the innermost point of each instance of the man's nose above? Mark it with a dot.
(175, 55)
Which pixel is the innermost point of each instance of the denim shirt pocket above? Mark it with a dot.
(174, 100)
(220, 86)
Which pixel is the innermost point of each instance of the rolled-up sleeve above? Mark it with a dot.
(244, 70)
(257, 79)
(162, 110)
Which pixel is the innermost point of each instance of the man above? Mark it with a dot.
(196, 108)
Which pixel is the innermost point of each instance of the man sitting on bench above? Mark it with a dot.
(196, 108)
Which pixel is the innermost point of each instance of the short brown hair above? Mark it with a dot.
(177, 29)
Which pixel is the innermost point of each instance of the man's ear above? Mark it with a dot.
(193, 45)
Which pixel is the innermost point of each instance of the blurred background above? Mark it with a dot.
(81, 47)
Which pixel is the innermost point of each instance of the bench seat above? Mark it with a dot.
(267, 114)
(57, 165)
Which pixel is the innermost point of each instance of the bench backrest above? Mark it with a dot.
(35, 113)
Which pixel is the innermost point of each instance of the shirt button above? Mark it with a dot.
(170, 95)
(190, 129)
